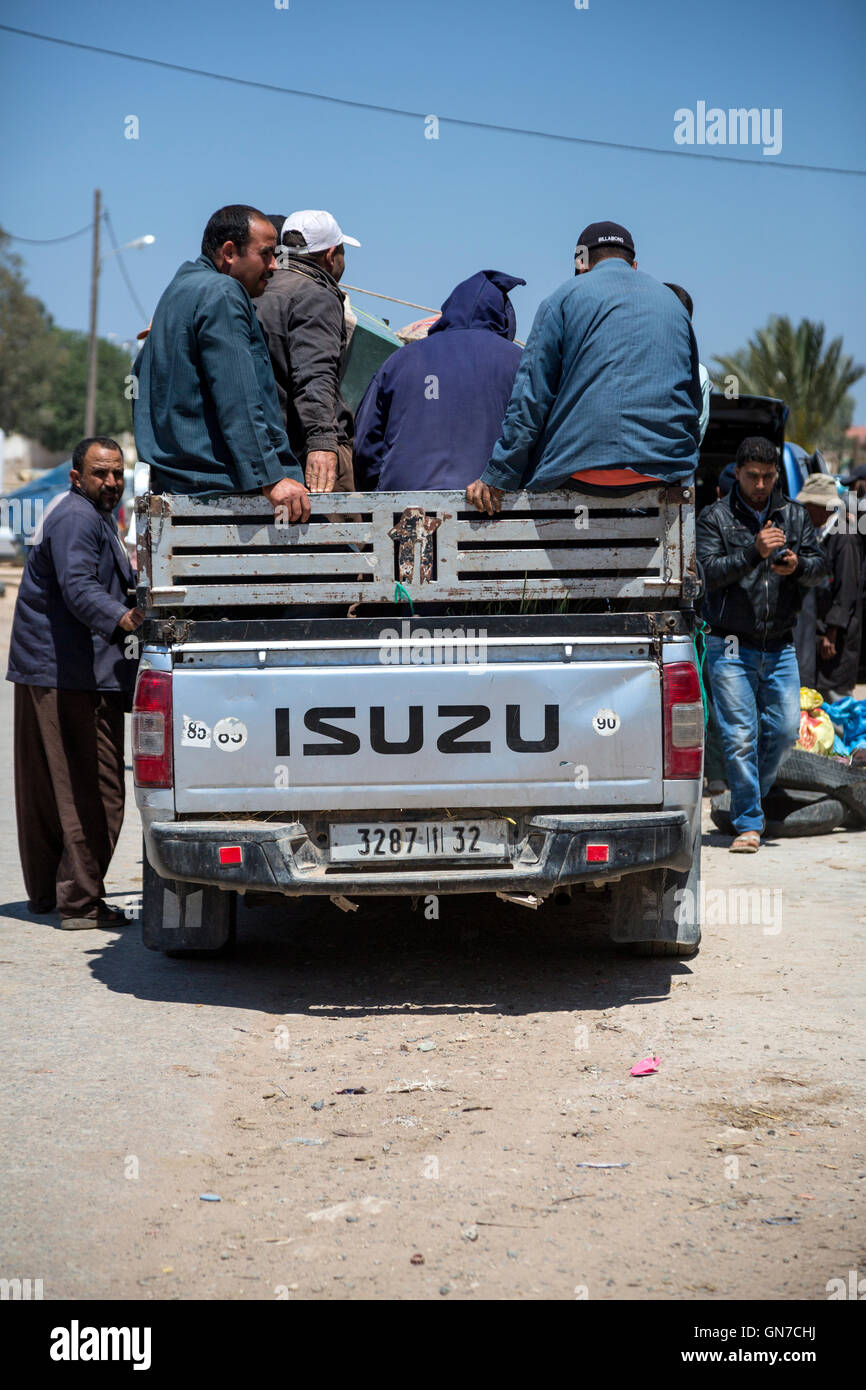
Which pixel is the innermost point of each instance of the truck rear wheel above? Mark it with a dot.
(185, 920)
(658, 913)
(663, 948)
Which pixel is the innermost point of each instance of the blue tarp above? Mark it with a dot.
(849, 720)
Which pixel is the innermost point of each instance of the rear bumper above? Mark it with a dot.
(549, 853)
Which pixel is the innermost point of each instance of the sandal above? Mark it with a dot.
(111, 916)
(748, 842)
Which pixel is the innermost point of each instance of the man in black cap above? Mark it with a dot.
(608, 390)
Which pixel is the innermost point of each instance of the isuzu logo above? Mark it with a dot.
(338, 729)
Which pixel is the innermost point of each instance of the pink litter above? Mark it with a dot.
(646, 1066)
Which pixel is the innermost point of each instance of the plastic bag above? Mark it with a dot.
(817, 734)
(849, 718)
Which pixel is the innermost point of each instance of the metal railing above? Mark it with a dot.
(373, 548)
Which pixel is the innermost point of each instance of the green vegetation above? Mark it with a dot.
(794, 365)
(43, 369)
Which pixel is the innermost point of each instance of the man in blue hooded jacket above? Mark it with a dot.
(608, 390)
(434, 410)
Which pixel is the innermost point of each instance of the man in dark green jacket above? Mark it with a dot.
(206, 414)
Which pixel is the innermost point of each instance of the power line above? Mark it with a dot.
(123, 270)
(356, 289)
(52, 241)
(48, 241)
(421, 116)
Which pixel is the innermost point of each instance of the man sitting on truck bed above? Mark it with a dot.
(302, 316)
(608, 390)
(434, 410)
(206, 414)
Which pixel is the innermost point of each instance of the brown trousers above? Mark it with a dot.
(69, 793)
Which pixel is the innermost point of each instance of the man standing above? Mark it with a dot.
(839, 603)
(608, 389)
(434, 410)
(206, 414)
(303, 320)
(758, 552)
(72, 659)
(857, 505)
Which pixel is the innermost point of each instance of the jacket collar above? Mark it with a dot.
(302, 265)
(118, 550)
(743, 512)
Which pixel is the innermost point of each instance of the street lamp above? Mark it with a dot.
(126, 344)
(95, 267)
(132, 245)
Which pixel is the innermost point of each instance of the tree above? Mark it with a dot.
(793, 365)
(64, 422)
(43, 369)
(29, 350)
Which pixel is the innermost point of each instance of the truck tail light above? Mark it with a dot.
(684, 720)
(151, 730)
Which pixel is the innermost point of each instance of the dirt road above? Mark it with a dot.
(488, 1051)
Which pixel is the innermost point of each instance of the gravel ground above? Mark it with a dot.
(493, 1046)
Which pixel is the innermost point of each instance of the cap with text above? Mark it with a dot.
(606, 234)
(319, 229)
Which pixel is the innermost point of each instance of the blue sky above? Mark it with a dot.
(747, 241)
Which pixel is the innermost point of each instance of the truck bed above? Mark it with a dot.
(357, 548)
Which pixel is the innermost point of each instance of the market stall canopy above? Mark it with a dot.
(371, 343)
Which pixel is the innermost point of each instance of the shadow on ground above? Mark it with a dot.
(481, 955)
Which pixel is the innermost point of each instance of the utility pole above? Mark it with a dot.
(90, 407)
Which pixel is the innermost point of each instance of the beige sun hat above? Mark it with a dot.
(819, 490)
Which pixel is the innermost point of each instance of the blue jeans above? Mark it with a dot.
(757, 700)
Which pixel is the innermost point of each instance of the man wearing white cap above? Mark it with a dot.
(302, 318)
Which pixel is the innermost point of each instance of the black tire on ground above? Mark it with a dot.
(793, 797)
(786, 818)
(205, 952)
(185, 920)
(813, 773)
(819, 818)
(663, 948)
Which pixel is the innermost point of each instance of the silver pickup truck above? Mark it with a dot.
(404, 697)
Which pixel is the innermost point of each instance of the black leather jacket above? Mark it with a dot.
(743, 596)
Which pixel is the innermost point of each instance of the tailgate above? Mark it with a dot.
(535, 734)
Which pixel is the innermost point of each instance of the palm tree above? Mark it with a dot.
(792, 364)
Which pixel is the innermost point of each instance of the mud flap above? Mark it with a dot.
(184, 916)
(661, 906)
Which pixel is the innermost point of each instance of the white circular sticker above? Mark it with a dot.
(229, 733)
(606, 722)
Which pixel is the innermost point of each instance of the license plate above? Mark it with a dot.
(388, 840)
